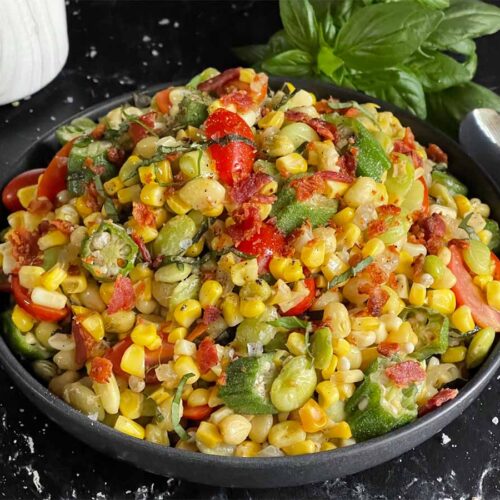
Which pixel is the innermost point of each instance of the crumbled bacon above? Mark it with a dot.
(376, 301)
(62, 225)
(216, 83)
(418, 266)
(84, 342)
(324, 129)
(429, 231)
(407, 147)
(436, 154)
(307, 186)
(210, 314)
(143, 214)
(91, 197)
(247, 222)
(101, 370)
(116, 156)
(123, 298)
(145, 254)
(207, 356)
(376, 227)
(40, 206)
(347, 163)
(388, 348)
(25, 247)
(443, 396)
(244, 190)
(385, 210)
(239, 98)
(322, 106)
(405, 373)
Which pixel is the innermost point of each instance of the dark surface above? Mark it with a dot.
(36, 458)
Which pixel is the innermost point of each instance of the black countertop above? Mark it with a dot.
(118, 47)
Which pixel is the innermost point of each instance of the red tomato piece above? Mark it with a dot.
(137, 131)
(123, 298)
(496, 272)
(54, 179)
(467, 293)
(162, 99)
(100, 370)
(115, 355)
(196, 412)
(41, 313)
(264, 244)
(9, 194)
(306, 302)
(388, 348)
(155, 358)
(84, 342)
(234, 161)
(206, 356)
(425, 203)
(405, 373)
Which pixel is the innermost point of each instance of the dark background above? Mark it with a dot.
(120, 46)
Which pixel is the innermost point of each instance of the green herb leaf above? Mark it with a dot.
(351, 272)
(290, 63)
(493, 227)
(382, 35)
(176, 407)
(327, 30)
(468, 229)
(328, 62)
(289, 323)
(252, 54)
(435, 4)
(300, 24)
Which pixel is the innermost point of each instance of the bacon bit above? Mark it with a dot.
(376, 301)
(210, 314)
(239, 98)
(374, 274)
(247, 222)
(146, 256)
(405, 373)
(355, 259)
(307, 186)
(40, 206)
(143, 214)
(116, 156)
(216, 83)
(322, 106)
(443, 396)
(96, 169)
(436, 154)
(347, 164)
(324, 129)
(123, 298)
(25, 247)
(98, 131)
(392, 281)
(462, 244)
(386, 210)
(62, 225)
(429, 231)
(101, 370)
(84, 342)
(418, 266)
(407, 147)
(207, 356)
(388, 349)
(244, 190)
(376, 227)
(351, 112)
(91, 197)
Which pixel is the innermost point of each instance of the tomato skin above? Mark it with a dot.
(115, 355)
(162, 100)
(207, 356)
(233, 161)
(306, 302)
(266, 243)
(196, 412)
(84, 342)
(425, 203)
(41, 313)
(496, 272)
(138, 132)
(9, 193)
(54, 179)
(467, 293)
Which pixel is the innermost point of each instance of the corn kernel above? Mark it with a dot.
(328, 393)
(404, 264)
(313, 253)
(351, 235)
(464, 206)
(208, 434)
(47, 298)
(493, 294)
(163, 171)
(291, 164)
(312, 416)
(23, 321)
(144, 334)
(177, 206)
(113, 186)
(52, 239)
(327, 372)
(106, 292)
(81, 207)
(74, 283)
(272, 119)
(341, 347)
(147, 174)
(462, 319)
(247, 449)
(334, 267)
(52, 279)
(94, 325)
(244, 271)
(417, 295)
(231, 309)
(365, 323)
(403, 335)
(327, 446)
(344, 216)
(146, 233)
(293, 271)
(454, 354)
(131, 404)
(269, 189)
(199, 397)
(251, 307)
(133, 361)
(340, 430)
(187, 312)
(286, 433)
(176, 334)
(129, 194)
(27, 194)
(210, 293)
(481, 280)
(302, 448)
(30, 276)
(127, 426)
(196, 248)
(442, 300)
(373, 247)
(184, 365)
(296, 344)
(485, 236)
(153, 194)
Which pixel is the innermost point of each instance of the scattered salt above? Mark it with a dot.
(155, 53)
(146, 38)
(445, 439)
(164, 22)
(494, 420)
(176, 24)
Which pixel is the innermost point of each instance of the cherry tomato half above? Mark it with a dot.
(84, 342)
(9, 193)
(496, 272)
(196, 412)
(41, 313)
(162, 99)
(137, 131)
(233, 161)
(306, 302)
(425, 203)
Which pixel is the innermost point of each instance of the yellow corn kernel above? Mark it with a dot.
(129, 194)
(464, 206)
(328, 394)
(327, 446)
(373, 247)
(442, 300)
(146, 233)
(394, 304)
(485, 236)
(296, 343)
(404, 264)
(215, 211)
(163, 171)
(244, 271)
(160, 395)
(199, 397)
(30, 276)
(286, 433)
(344, 216)
(293, 271)
(264, 210)
(277, 266)
(313, 253)
(269, 189)
(80, 310)
(74, 283)
(23, 321)
(178, 206)
(52, 239)
(187, 312)
(186, 364)
(291, 164)
(133, 361)
(176, 334)
(247, 449)
(127, 426)
(417, 295)
(272, 119)
(368, 356)
(131, 404)
(48, 298)
(113, 186)
(81, 207)
(302, 448)
(462, 319)
(153, 194)
(334, 189)
(94, 324)
(327, 372)
(196, 248)
(106, 292)
(145, 334)
(403, 334)
(210, 293)
(312, 416)
(351, 235)
(365, 323)
(231, 309)
(454, 354)
(493, 294)
(340, 430)
(334, 267)
(27, 194)
(208, 434)
(52, 279)
(481, 280)
(140, 271)
(147, 174)
(251, 307)
(144, 289)
(341, 347)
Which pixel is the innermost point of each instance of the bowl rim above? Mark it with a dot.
(29, 384)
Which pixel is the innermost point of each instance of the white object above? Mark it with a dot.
(33, 45)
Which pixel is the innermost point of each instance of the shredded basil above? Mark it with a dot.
(352, 271)
(176, 406)
(290, 323)
(109, 206)
(469, 230)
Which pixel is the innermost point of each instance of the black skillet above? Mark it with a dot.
(260, 472)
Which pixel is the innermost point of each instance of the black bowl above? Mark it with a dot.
(260, 472)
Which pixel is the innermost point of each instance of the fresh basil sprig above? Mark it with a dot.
(176, 408)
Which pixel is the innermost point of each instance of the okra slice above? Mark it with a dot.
(108, 252)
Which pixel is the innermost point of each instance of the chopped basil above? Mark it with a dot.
(350, 272)
(176, 406)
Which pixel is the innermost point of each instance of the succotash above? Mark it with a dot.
(244, 271)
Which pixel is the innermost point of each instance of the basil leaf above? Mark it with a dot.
(290, 63)
(300, 24)
(439, 71)
(328, 62)
(289, 323)
(279, 43)
(397, 85)
(468, 229)
(351, 272)
(176, 406)
(252, 54)
(327, 30)
(448, 107)
(382, 35)
(435, 4)
(465, 19)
